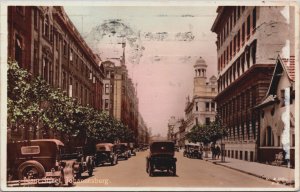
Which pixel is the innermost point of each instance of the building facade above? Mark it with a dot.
(108, 86)
(277, 115)
(201, 109)
(44, 41)
(248, 42)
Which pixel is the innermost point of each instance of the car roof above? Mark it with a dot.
(56, 141)
(104, 144)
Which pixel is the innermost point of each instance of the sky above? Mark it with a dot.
(162, 45)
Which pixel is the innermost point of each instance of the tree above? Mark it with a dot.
(207, 133)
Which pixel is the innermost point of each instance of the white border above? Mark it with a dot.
(3, 83)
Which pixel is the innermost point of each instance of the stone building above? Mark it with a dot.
(277, 115)
(125, 101)
(171, 125)
(201, 109)
(44, 41)
(248, 42)
(108, 86)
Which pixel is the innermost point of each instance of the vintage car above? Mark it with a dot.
(84, 162)
(161, 157)
(132, 149)
(105, 153)
(38, 163)
(122, 150)
(192, 151)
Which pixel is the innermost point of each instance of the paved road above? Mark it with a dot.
(190, 173)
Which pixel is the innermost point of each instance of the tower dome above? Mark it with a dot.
(200, 68)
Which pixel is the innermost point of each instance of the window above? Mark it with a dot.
(293, 140)
(196, 119)
(64, 80)
(243, 33)
(248, 27)
(45, 69)
(213, 89)
(18, 50)
(106, 104)
(207, 120)
(35, 59)
(46, 28)
(196, 106)
(106, 88)
(65, 47)
(213, 106)
(230, 49)
(282, 94)
(76, 89)
(238, 40)
(207, 106)
(269, 137)
(35, 18)
(71, 56)
(238, 12)
(70, 87)
(254, 19)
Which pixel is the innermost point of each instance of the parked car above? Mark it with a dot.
(161, 157)
(84, 162)
(132, 149)
(106, 153)
(192, 151)
(38, 162)
(122, 151)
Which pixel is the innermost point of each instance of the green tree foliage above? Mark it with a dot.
(207, 133)
(33, 102)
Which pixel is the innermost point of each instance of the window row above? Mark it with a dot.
(237, 40)
(241, 64)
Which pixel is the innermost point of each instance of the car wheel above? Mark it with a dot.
(32, 169)
(174, 169)
(151, 170)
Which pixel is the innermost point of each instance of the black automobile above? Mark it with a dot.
(161, 157)
(132, 149)
(105, 153)
(122, 151)
(192, 151)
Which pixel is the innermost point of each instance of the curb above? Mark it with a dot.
(292, 183)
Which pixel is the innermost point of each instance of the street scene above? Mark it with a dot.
(138, 98)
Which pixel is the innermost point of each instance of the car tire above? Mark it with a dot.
(26, 166)
(174, 169)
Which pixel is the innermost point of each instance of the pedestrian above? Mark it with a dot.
(201, 151)
(218, 151)
(213, 150)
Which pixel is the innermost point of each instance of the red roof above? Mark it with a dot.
(290, 66)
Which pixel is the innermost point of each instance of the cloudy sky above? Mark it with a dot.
(162, 45)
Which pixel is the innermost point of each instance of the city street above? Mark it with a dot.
(190, 173)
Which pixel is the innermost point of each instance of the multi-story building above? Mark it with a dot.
(277, 116)
(125, 100)
(108, 85)
(171, 125)
(248, 41)
(44, 41)
(201, 109)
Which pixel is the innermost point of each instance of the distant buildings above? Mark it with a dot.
(249, 40)
(201, 109)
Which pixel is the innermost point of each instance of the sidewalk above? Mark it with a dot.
(276, 174)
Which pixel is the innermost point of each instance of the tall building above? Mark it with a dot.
(125, 101)
(108, 86)
(44, 41)
(249, 40)
(201, 109)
